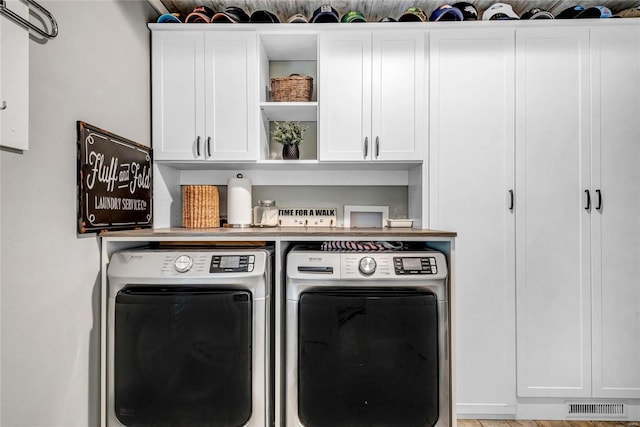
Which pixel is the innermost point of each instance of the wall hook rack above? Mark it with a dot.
(4, 10)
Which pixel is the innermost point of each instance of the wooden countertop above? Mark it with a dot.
(289, 233)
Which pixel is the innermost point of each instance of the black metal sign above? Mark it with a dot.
(114, 182)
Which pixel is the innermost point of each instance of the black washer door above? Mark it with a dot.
(182, 357)
(368, 358)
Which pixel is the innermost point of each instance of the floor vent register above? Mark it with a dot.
(596, 409)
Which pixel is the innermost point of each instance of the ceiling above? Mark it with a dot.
(374, 9)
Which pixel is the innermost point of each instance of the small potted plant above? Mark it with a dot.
(290, 135)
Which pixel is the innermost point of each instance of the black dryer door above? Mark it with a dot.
(182, 356)
(368, 357)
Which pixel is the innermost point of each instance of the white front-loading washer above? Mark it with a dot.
(367, 340)
(188, 338)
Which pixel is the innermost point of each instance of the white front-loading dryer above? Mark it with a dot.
(188, 338)
(367, 340)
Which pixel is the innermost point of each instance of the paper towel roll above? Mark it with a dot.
(239, 207)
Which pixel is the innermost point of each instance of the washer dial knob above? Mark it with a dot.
(183, 263)
(367, 266)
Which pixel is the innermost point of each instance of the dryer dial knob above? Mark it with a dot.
(367, 266)
(183, 263)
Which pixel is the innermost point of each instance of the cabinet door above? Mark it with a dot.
(398, 79)
(615, 68)
(345, 95)
(231, 96)
(178, 95)
(552, 224)
(471, 171)
(14, 80)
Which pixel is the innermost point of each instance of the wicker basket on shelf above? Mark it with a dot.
(294, 88)
(200, 206)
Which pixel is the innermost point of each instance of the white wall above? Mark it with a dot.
(97, 71)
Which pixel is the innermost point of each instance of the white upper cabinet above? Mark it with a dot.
(204, 95)
(231, 96)
(398, 96)
(371, 95)
(178, 95)
(471, 182)
(552, 222)
(14, 80)
(344, 96)
(615, 190)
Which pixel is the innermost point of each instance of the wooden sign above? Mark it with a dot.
(114, 182)
(307, 217)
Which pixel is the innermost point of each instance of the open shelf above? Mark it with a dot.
(283, 54)
(288, 46)
(298, 173)
(290, 111)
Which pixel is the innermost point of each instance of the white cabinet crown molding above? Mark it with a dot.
(386, 26)
(375, 9)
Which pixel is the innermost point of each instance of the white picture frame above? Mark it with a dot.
(356, 216)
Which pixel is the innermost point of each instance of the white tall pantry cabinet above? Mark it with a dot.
(615, 225)
(578, 227)
(552, 225)
(470, 187)
(534, 147)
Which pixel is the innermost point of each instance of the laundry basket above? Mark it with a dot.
(294, 88)
(200, 206)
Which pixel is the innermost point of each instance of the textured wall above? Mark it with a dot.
(96, 70)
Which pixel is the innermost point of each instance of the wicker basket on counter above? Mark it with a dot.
(294, 88)
(200, 206)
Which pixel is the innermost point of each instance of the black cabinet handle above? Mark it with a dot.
(599, 193)
(208, 146)
(511, 200)
(198, 146)
(588, 200)
(366, 146)
(377, 146)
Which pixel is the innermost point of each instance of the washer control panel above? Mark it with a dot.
(352, 265)
(415, 265)
(232, 263)
(205, 263)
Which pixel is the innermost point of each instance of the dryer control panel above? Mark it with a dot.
(232, 263)
(415, 265)
(353, 265)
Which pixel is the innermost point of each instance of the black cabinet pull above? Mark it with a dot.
(366, 146)
(511, 200)
(198, 146)
(599, 193)
(208, 146)
(377, 146)
(588, 200)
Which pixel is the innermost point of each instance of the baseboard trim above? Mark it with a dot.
(544, 409)
(557, 410)
(485, 410)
